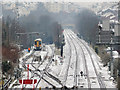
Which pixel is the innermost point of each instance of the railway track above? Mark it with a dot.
(44, 59)
(76, 63)
(68, 63)
(100, 81)
(36, 69)
(86, 72)
(25, 59)
(7, 83)
(54, 79)
(43, 72)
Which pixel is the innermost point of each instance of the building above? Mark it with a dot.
(119, 11)
(56, 7)
(117, 29)
(105, 23)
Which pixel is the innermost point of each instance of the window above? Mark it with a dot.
(39, 42)
(35, 43)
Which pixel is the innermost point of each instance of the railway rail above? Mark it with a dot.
(76, 62)
(76, 65)
(100, 81)
(41, 75)
(49, 75)
(68, 63)
(36, 69)
(86, 72)
(73, 42)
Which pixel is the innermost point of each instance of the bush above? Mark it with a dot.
(6, 66)
(104, 55)
(10, 53)
(96, 50)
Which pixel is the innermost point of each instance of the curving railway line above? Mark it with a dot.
(76, 75)
(71, 59)
(101, 83)
(83, 60)
(68, 66)
(85, 50)
(76, 62)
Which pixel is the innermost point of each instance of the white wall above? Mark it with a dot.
(106, 24)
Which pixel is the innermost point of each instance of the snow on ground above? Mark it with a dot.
(92, 74)
(55, 67)
(59, 66)
(32, 65)
(25, 54)
(40, 53)
(103, 70)
(43, 84)
(50, 51)
(99, 66)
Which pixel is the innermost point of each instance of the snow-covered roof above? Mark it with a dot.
(112, 30)
(100, 24)
(114, 21)
(112, 17)
(108, 14)
(115, 53)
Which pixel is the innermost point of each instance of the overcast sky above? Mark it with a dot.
(63, 0)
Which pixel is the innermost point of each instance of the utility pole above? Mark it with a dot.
(62, 49)
(111, 62)
(100, 28)
(63, 43)
(58, 35)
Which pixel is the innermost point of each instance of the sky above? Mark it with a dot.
(62, 0)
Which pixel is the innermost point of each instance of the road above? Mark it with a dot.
(78, 56)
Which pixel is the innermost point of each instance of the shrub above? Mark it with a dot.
(6, 66)
(96, 50)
